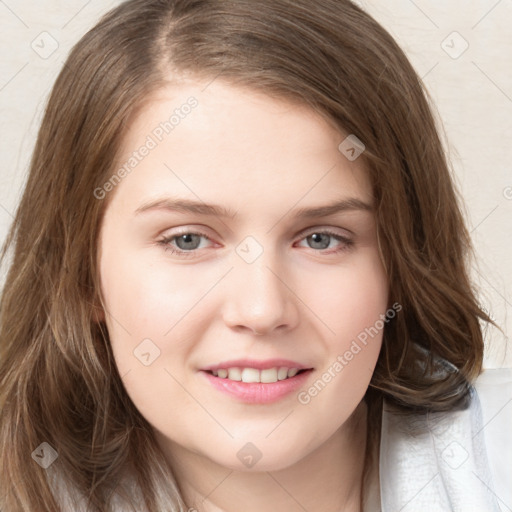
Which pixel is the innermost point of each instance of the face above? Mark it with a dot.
(237, 304)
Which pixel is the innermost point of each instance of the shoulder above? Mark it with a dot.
(494, 388)
(455, 461)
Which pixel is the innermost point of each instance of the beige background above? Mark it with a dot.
(462, 48)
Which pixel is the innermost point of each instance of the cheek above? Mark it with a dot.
(350, 300)
(151, 319)
(149, 300)
(353, 306)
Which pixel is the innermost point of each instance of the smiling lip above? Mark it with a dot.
(257, 392)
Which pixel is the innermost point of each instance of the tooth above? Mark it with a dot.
(234, 374)
(250, 375)
(269, 375)
(282, 373)
(292, 372)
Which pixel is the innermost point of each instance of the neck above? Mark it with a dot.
(329, 479)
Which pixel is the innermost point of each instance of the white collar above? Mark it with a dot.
(436, 462)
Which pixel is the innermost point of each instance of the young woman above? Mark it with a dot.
(238, 276)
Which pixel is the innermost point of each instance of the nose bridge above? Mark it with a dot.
(258, 298)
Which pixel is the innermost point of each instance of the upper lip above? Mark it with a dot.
(259, 365)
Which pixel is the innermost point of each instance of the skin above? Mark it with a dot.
(263, 158)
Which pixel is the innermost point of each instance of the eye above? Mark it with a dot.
(186, 243)
(322, 239)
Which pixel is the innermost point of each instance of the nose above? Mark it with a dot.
(260, 298)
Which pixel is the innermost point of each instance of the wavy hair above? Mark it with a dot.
(59, 382)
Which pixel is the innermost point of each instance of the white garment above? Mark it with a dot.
(459, 461)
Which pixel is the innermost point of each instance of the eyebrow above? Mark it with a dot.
(197, 207)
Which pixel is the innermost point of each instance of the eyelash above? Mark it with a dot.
(347, 243)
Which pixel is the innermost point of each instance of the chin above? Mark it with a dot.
(258, 456)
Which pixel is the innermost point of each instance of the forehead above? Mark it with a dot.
(217, 142)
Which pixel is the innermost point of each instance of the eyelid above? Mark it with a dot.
(324, 228)
(347, 241)
(187, 231)
(305, 232)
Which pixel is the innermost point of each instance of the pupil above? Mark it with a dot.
(316, 239)
(186, 239)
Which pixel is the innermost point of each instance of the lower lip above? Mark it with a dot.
(257, 392)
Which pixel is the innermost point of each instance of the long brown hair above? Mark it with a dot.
(59, 382)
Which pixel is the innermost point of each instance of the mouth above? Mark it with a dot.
(251, 375)
(257, 382)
